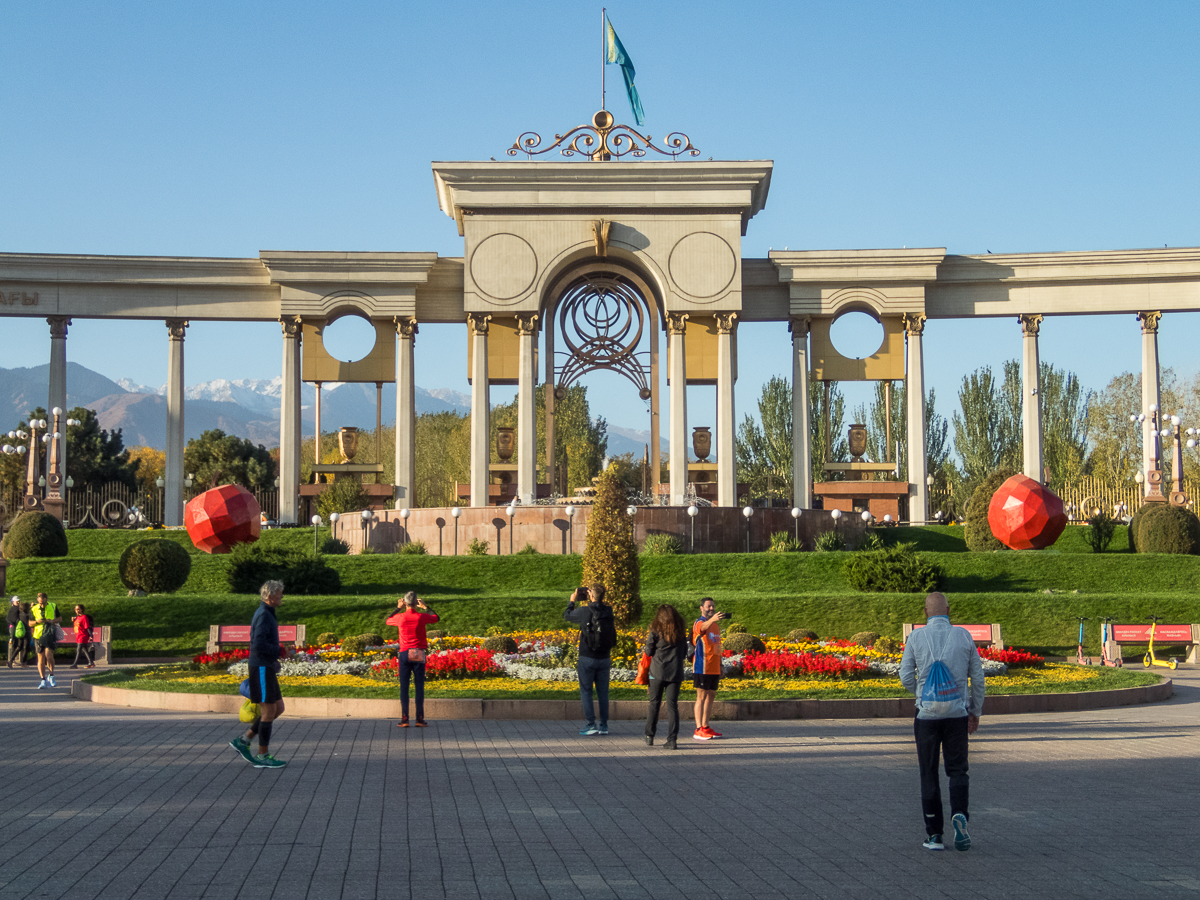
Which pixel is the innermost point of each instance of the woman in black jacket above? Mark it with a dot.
(666, 645)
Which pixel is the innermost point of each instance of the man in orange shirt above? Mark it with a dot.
(706, 635)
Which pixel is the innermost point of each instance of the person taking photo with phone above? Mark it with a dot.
(410, 656)
(597, 637)
(706, 636)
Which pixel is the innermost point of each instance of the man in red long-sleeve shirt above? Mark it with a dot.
(411, 655)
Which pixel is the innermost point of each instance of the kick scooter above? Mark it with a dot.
(1150, 659)
(1079, 657)
(1105, 637)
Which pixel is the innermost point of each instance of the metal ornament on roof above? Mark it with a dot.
(602, 140)
(601, 319)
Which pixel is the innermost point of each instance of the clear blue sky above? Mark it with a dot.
(221, 130)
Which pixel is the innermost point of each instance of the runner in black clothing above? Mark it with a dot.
(264, 685)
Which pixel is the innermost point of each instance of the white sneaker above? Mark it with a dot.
(50, 678)
(42, 684)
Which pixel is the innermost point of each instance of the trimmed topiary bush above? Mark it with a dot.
(661, 545)
(500, 643)
(887, 644)
(413, 548)
(155, 565)
(250, 565)
(743, 643)
(734, 628)
(978, 532)
(798, 635)
(865, 638)
(896, 570)
(610, 557)
(334, 547)
(353, 645)
(326, 637)
(35, 534)
(371, 639)
(1168, 529)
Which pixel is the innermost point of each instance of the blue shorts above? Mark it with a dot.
(264, 685)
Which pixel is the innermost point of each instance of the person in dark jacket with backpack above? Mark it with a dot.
(598, 635)
(666, 647)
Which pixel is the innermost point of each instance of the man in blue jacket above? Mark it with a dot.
(264, 681)
(939, 660)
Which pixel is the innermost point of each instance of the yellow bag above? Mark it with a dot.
(249, 712)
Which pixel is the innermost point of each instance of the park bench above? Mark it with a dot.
(988, 635)
(221, 636)
(1163, 634)
(101, 641)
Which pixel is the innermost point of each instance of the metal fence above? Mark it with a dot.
(1083, 497)
(116, 505)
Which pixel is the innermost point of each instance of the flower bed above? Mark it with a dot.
(1013, 658)
(784, 663)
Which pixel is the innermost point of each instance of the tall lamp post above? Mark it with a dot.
(511, 509)
(1153, 477)
(748, 511)
(366, 524)
(316, 522)
(456, 511)
(796, 519)
(570, 511)
(160, 483)
(404, 514)
(691, 511)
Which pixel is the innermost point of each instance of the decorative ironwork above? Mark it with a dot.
(602, 319)
(602, 140)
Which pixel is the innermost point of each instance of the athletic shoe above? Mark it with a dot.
(712, 733)
(604, 729)
(962, 840)
(670, 744)
(649, 739)
(421, 723)
(50, 678)
(702, 735)
(42, 685)
(934, 842)
(403, 723)
(267, 761)
(242, 746)
(589, 730)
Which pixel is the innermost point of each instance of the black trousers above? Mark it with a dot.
(946, 738)
(658, 690)
(416, 672)
(89, 655)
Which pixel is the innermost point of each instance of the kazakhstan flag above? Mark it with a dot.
(616, 55)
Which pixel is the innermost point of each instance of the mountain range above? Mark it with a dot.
(248, 407)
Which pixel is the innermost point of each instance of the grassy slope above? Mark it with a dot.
(769, 593)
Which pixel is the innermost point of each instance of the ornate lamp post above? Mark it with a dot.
(1153, 478)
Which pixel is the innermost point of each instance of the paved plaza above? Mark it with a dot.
(102, 802)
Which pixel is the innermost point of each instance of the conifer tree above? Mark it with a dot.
(610, 557)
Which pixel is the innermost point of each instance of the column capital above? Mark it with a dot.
(527, 324)
(406, 326)
(914, 324)
(800, 326)
(175, 328)
(676, 322)
(1031, 323)
(1149, 321)
(58, 326)
(292, 326)
(478, 323)
(726, 322)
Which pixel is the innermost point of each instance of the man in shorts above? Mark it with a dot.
(706, 635)
(264, 681)
(43, 617)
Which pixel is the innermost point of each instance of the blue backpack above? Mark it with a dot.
(941, 696)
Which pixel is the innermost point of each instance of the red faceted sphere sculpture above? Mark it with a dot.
(219, 519)
(1026, 515)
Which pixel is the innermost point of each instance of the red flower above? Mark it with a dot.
(781, 663)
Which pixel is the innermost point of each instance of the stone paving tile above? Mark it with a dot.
(159, 806)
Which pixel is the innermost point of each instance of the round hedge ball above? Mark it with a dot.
(156, 566)
(500, 643)
(743, 643)
(35, 534)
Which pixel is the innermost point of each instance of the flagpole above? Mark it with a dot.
(603, 53)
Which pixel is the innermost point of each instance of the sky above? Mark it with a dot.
(211, 129)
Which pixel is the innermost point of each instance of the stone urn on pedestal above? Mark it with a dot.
(348, 442)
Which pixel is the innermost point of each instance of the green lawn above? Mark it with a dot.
(1035, 596)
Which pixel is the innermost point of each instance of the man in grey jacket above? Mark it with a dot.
(943, 721)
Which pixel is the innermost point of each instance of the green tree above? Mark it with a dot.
(578, 438)
(1116, 443)
(217, 458)
(764, 452)
(985, 434)
(443, 457)
(610, 556)
(1065, 423)
(827, 446)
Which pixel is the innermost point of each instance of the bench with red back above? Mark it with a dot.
(220, 636)
(1163, 634)
(101, 642)
(988, 635)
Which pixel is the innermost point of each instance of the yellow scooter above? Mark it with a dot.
(1150, 659)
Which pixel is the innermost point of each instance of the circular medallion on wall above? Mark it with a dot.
(703, 265)
(503, 266)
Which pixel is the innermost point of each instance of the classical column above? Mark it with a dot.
(289, 422)
(1150, 389)
(406, 412)
(58, 380)
(918, 494)
(173, 512)
(676, 324)
(526, 411)
(801, 433)
(726, 454)
(1031, 398)
(481, 456)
